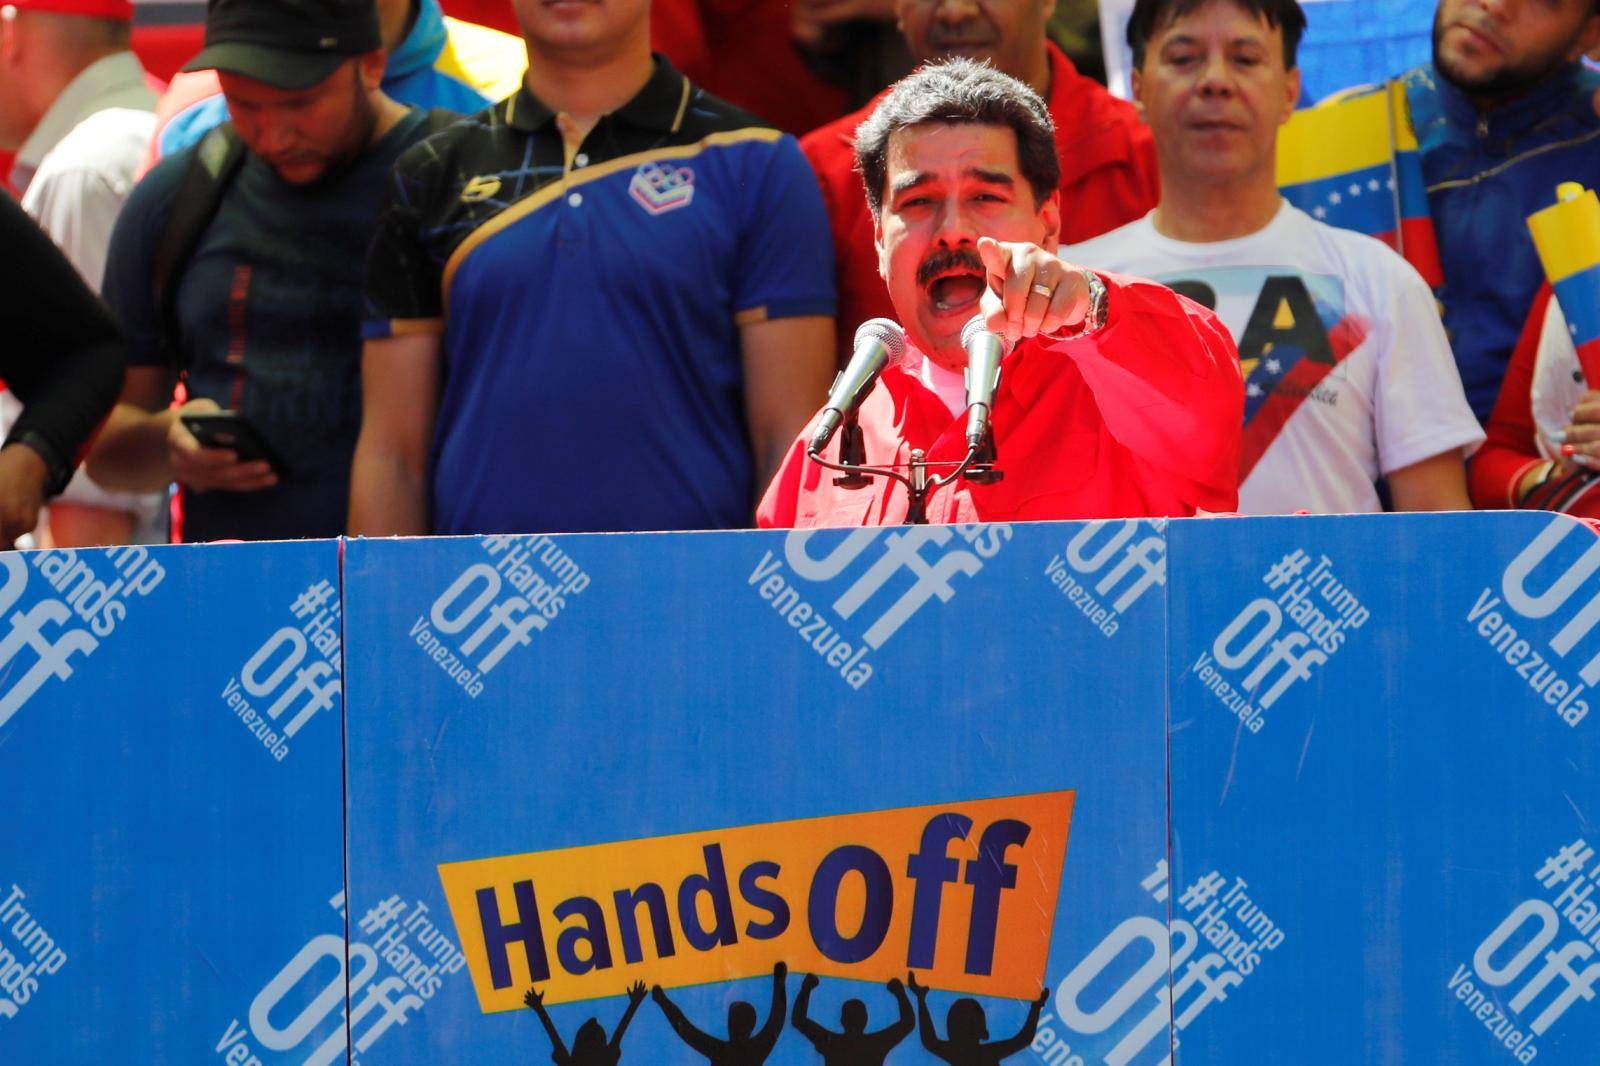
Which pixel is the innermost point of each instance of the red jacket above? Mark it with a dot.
(1140, 419)
(1511, 449)
(1108, 178)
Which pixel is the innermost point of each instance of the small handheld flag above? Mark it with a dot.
(1567, 236)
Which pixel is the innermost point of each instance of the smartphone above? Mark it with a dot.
(230, 429)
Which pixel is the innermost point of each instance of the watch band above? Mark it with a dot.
(60, 470)
(1095, 317)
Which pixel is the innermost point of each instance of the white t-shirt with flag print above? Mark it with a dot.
(1348, 375)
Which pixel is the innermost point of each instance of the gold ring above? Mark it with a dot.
(1046, 291)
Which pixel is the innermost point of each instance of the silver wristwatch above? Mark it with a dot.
(1095, 317)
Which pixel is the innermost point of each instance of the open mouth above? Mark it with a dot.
(955, 291)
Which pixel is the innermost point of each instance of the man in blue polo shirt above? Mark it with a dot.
(603, 304)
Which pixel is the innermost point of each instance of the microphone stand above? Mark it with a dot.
(978, 467)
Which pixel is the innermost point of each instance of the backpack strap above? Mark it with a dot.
(211, 170)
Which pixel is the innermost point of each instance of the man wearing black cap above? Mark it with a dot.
(264, 314)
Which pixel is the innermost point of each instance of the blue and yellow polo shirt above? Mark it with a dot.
(590, 305)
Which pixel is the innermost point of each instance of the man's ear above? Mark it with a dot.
(1050, 215)
(369, 69)
(1291, 91)
(877, 243)
(1138, 96)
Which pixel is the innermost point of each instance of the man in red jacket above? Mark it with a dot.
(1107, 157)
(1120, 398)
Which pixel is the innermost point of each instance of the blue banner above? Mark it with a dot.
(169, 747)
(517, 702)
(1384, 790)
(1120, 793)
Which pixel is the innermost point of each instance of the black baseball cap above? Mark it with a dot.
(289, 44)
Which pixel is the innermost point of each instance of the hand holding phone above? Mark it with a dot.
(211, 449)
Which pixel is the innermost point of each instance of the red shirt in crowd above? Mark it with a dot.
(1141, 418)
(1108, 178)
(743, 51)
(1511, 449)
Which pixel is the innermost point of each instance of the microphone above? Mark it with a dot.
(879, 343)
(984, 352)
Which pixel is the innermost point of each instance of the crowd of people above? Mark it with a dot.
(363, 267)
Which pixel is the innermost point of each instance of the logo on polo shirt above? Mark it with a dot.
(479, 189)
(659, 189)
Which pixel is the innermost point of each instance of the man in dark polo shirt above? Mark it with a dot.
(267, 306)
(603, 304)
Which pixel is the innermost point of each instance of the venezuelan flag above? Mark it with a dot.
(1417, 240)
(1567, 235)
(1352, 162)
(1336, 163)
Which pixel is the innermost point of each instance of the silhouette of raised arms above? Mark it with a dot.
(589, 1048)
(967, 1029)
(535, 1000)
(744, 1046)
(853, 1046)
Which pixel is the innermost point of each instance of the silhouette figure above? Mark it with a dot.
(589, 1047)
(968, 1028)
(744, 1046)
(855, 1046)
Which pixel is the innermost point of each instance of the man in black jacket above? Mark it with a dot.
(62, 356)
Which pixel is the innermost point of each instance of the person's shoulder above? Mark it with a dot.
(1081, 107)
(110, 144)
(1115, 249)
(112, 126)
(1361, 260)
(706, 116)
(746, 144)
(834, 142)
(436, 145)
(158, 190)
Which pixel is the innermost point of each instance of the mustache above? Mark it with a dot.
(946, 259)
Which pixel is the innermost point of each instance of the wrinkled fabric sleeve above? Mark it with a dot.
(405, 277)
(1165, 376)
(1511, 449)
(65, 355)
(785, 264)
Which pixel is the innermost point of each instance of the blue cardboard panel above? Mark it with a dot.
(1384, 788)
(170, 754)
(510, 698)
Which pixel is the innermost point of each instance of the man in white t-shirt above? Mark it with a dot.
(1348, 375)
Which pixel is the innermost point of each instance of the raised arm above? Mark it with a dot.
(908, 1017)
(636, 993)
(802, 1008)
(1024, 1037)
(535, 1000)
(768, 1036)
(930, 1039)
(704, 1043)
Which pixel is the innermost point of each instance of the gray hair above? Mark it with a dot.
(961, 91)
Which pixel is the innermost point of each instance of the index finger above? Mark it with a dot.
(996, 260)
